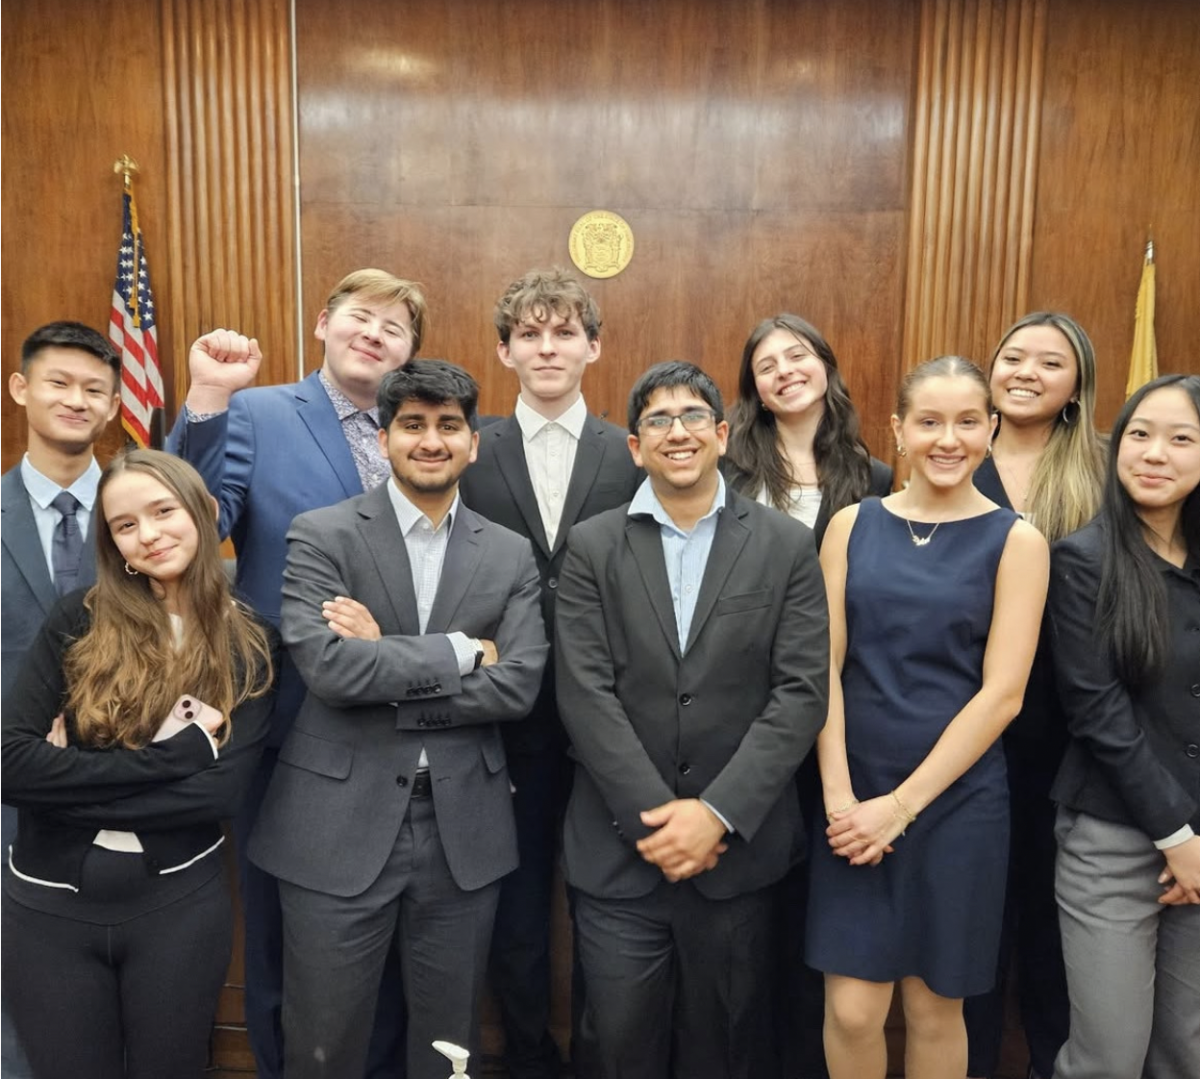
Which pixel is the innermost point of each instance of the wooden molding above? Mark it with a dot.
(974, 171)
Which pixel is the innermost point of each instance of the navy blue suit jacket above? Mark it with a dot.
(279, 451)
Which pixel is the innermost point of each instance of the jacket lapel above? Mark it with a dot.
(588, 456)
(510, 456)
(730, 538)
(464, 553)
(645, 540)
(317, 413)
(20, 536)
(381, 534)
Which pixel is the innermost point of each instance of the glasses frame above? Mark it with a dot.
(702, 420)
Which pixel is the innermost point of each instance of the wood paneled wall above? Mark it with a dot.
(974, 160)
(759, 151)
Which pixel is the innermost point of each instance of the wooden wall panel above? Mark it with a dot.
(1120, 155)
(227, 87)
(77, 93)
(974, 162)
(759, 152)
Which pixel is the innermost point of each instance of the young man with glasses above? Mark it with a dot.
(692, 663)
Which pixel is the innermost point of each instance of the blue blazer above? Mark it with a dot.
(279, 451)
(28, 590)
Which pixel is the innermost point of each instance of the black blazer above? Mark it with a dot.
(1134, 754)
(173, 794)
(728, 719)
(497, 486)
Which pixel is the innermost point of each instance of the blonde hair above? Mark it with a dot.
(386, 288)
(1067, 485)
(125, 673)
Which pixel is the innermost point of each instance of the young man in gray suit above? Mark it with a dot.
(692, 651)
(69, 386)
(540, 471)
(416, 627)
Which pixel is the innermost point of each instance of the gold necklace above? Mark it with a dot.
(920, 541)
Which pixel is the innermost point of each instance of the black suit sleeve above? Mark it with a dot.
(1101, 715)
(38, 774)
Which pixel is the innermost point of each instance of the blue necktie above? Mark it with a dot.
(67, 544)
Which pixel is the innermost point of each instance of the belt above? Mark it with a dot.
(422, 785)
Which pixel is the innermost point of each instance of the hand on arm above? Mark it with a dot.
(219, 364)
(687, 840)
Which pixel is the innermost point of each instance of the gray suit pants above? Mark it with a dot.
(1133, 965)
(334, 949)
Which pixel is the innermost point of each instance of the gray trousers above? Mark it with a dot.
(1133, 964)
(334, 950)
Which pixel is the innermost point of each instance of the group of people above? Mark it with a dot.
(799, 738)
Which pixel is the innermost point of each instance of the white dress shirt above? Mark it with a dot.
(550, 447)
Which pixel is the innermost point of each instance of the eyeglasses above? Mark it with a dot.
(694, 419)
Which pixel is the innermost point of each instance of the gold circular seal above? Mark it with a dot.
(601, 243)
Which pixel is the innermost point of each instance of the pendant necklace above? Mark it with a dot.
(920, 541)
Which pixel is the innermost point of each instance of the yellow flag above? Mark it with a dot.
(1143, 363)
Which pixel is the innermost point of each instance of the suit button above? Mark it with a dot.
(1196, 690)
(552, 583)
(685, 699)
(437, 687)
(684, 768)
(401, 781)
(1192, 750)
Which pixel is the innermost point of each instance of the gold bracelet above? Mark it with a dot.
(840, 809)
(903, 813)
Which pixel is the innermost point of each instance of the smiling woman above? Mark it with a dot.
(130, 733)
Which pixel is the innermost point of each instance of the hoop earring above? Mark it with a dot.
(130, 570)
(901, 451)
(1069, 417)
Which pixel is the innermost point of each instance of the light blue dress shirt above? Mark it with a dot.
(43, 491)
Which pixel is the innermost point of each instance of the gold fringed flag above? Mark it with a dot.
(1143, 362)
(131, 326)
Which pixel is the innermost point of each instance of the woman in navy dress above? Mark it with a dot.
(935, 596)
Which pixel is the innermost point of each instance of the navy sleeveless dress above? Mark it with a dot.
(917, 621)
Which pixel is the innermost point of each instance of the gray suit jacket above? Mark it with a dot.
(28, 587)
(728, 719)
(341, 789)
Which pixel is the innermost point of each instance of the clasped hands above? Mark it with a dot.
(863, 831)
(688, 838)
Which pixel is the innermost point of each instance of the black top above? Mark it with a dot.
(173, 793)
(1134, 755)
(1041, 714)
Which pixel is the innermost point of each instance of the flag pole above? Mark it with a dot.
(127, 167)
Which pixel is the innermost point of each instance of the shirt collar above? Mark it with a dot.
(646, 504)
(532, 423)
(342, 405)
(43, 490)
(409, 516)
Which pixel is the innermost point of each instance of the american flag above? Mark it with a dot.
(131, 330)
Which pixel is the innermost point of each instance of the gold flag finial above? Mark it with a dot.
(127, 166)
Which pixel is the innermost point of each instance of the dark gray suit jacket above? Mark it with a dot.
(728, 720)
(498, 486)
(28, 587)
(341, 789)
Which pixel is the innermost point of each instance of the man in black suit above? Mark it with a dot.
(693, 664)
(68, 385)
(539, 471)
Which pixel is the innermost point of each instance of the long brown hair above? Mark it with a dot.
(126, 673)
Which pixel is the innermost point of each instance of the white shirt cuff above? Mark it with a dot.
(717, 813)
(1175, 838)
(464, 651)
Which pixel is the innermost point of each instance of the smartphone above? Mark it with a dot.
(189, 709)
